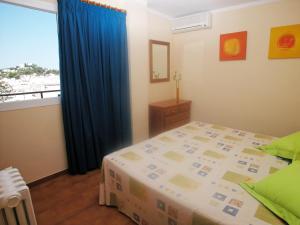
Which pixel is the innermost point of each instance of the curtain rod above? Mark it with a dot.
(104, 6)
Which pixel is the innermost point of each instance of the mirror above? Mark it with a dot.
(159, 61)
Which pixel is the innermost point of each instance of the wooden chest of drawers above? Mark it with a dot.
(167, 115)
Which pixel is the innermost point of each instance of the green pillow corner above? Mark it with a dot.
(287, 147)
(280, 193)
(297, 156)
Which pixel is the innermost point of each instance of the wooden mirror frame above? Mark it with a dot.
(151, 42)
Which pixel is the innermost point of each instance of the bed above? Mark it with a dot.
(190, 176)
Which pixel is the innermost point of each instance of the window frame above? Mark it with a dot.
(50, 7)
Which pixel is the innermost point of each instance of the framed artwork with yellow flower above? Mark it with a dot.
(233, 46)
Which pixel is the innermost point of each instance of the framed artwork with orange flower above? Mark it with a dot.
(233, 46)
(285, 42)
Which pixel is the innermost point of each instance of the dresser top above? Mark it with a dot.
(169, 103)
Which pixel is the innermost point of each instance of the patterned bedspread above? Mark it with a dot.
(190, 176)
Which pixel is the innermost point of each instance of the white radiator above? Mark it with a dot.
(15, 201)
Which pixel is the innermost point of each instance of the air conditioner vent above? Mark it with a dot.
(192, 22)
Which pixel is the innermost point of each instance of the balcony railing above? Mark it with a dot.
(41, 93)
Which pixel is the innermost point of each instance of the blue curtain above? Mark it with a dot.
(94, 82)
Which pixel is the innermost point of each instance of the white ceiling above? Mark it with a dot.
(177, 8)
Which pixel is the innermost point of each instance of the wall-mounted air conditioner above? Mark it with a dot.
(192, 22)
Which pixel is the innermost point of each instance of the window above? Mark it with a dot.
(29, 64)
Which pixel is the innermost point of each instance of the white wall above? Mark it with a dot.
(160, 29)
(32, 139)
(257, 94)
(137, 28)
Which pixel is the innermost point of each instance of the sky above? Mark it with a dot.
(27, 36)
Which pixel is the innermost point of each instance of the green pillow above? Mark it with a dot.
(297, 156)
(280, 192)
(287, 147)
